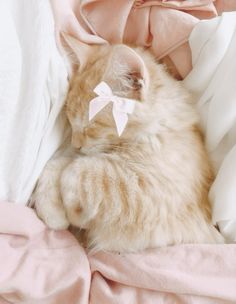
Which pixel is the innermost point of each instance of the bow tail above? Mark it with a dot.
(121, 120)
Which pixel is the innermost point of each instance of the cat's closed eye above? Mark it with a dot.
(135, 80)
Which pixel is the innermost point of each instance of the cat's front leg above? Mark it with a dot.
(47, 196)
(79, 189)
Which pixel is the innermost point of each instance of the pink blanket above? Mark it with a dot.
(38, 265)
(162, 25)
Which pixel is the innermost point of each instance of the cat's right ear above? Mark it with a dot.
(77, 51)
(128, 71)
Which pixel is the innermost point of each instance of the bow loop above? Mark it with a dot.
(103, 89)
(96, 105)
(124, 104)
(121, 106)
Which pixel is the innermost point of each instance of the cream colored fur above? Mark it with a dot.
(147, 188)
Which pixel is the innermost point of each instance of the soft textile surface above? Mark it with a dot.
(33, 83)
(213, 80)
(162, 25)
(40, 266)
(150, 24)
(225, 6)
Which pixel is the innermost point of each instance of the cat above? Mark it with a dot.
(144, 189)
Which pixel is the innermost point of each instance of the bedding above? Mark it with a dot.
(212, 79)
(148, 24)
(33, 84)
(38, 265)
(42, 266)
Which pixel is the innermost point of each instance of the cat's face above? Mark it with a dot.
(128, 74)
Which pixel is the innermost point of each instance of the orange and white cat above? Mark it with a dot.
(145, 188)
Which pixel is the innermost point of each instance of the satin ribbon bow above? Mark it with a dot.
(121, 106)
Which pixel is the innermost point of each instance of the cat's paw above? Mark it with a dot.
(50, 209)
(78, 193)
(53, 218)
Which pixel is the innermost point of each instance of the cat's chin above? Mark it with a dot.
(91, 151)
(82, 152)
(86, 152)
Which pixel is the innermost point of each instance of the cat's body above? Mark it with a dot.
(144, 189)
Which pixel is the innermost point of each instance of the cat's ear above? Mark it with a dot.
(78, 51)
(129, 68)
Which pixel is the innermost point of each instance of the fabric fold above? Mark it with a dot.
(39, 265)
(42, 266)
(176, 274)
(213, 82)
(149, 24)
(33, 86)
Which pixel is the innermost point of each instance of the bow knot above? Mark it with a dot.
(121, 106)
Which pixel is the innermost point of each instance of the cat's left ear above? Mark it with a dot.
(80, 52)
(129, 71)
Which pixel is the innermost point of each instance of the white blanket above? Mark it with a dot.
(213, 79)
(33, 84)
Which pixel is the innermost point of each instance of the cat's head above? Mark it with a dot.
(131, 73)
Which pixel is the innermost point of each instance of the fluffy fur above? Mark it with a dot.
(145, 189)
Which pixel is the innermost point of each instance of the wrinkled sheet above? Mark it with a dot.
(33, 84)
(41, 266)
(38, 265)
(213, 80)
(149, 24)
(225, 6)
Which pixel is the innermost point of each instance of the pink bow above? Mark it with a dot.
(121, 106)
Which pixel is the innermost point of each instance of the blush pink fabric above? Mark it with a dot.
(163, 25)
(225, 6)
(38, 265)
(41, 266)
